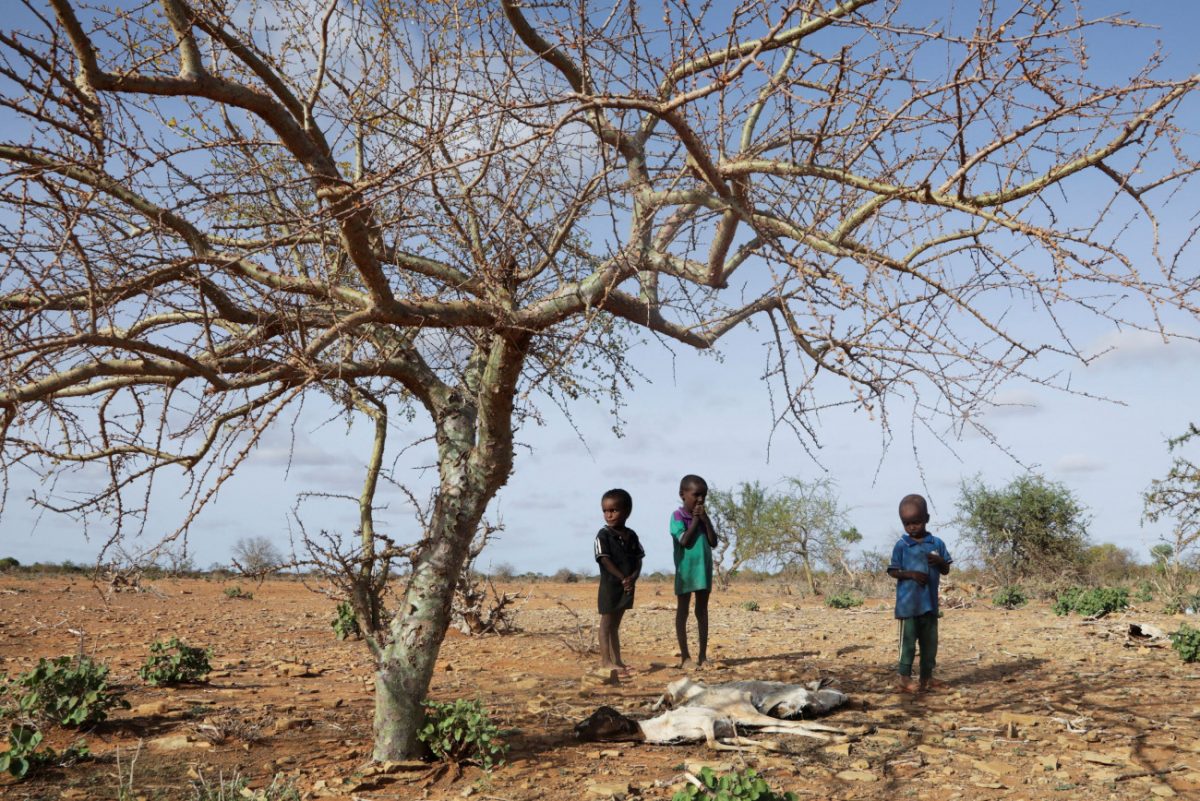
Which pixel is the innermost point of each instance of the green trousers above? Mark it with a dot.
(921, 630)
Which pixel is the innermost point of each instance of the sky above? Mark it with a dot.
(711, 414)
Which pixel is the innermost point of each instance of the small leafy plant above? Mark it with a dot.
(174, 662)
(843, 600)
(67, 691)
(345, 622)
(1095, 602)
(737, 784)
(1186, 642)
(1010, 597)
(23, 757)
(1145, 592)
(461, 731)
(237, 593)
(750, 606)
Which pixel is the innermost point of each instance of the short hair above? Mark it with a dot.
(691, 480)
(620, 496)
(914, 501)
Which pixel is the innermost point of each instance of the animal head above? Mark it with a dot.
(607, 724)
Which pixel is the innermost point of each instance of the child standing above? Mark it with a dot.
(620, 556)
(694, 538)
(919, 560)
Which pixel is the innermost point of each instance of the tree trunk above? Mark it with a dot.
(405, 665)
(808, 573)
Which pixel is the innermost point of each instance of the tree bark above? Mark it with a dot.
(406, 663)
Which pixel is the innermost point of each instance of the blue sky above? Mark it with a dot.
(711, 414)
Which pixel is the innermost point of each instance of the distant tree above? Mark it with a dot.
(1108, 563)
(1032, 527)
(743, 516)
(835, 552)
(784, 530)
(256, 556)
(1176, 496)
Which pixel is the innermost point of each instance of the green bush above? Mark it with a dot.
(750, 606)
(461, 731)
(1092, 603)
(173, 662)
(1187, 642)
(67, 691)
(345, 622)
(1145, 592)
(22, 757)
(8, 563)
(745, 784)
(238, 592)
(1010, 597)
(844, 600)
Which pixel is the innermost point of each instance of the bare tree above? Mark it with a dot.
(256, 556)
(454, 212)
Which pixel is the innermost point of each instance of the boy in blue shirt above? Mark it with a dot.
(919, 560)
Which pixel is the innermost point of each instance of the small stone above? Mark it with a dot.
(612, 789)
(857, 776)
(177, 742)
(1162, 790)
(840, 749)
(150, 709)
(697, 765)
(287, 724)
(1050, 763)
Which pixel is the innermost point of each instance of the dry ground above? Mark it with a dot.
(1039, 707)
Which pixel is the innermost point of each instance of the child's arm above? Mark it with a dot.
(915, 575)
(710, 531)
(611, 568)
(700, 523)
(940, 559)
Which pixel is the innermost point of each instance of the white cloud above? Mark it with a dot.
(1132, 348)
(1079, 463)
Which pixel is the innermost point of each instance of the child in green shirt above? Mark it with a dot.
(694, 538)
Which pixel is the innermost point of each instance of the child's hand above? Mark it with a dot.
(935, 559)
(919, 577)
(627, 583)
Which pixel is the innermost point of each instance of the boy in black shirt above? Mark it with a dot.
(620, 556)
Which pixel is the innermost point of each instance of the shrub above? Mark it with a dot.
(67, 691)
(345, 622)
(1092, 603)
(737, 784)
(750, 606)
(173, 662)
(1179, 605)
(8, 563)
(461, 731)
(1187, 642)
(23, 758)
(235, 788)
(566, 575)
(1010, 597)
(1145, 592)
(237, 592)
(844, 600)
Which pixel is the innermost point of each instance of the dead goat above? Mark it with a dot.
(716, 715)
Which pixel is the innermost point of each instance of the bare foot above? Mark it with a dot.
(687, 664)
(928, 685)
(905, 684)
(626, 671)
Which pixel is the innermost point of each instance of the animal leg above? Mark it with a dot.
(799, 730)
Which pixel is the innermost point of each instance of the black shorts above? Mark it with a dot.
(613, 598)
